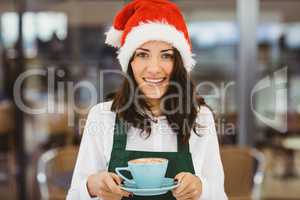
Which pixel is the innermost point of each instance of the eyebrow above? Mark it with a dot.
(143, 49)
(166, 50)
(149, 50)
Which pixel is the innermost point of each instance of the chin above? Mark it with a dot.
(152, 95)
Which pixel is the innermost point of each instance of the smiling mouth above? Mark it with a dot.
(154, 81)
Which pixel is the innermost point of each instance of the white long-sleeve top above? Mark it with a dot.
(97, 140)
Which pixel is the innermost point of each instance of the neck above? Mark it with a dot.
(155, 107)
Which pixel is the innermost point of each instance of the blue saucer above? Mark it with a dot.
(168, 184)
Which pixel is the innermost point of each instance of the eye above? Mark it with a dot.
(167, 56)
(141, 54)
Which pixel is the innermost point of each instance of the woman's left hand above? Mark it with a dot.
(190, 187)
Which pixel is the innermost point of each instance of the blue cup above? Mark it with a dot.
(146, 172)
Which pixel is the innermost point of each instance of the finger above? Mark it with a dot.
(126, 194)
(104, 187)
(107, 195)
(179, 176)
(116, 188)
(188, 188)
(189, 195)
(113, 187)
(116, 178)
(182, 189)
(123, 193)
(183, 194)
(185, 199)
(184, 183)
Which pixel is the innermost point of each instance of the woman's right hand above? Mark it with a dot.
(105, 185)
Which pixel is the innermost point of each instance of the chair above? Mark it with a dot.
(7, 124)
(7, 128)
(59, 132)
(54, 172)
(244, 172)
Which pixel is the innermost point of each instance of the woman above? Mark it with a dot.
(154, 114)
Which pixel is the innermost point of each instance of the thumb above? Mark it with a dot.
(179, 176)
(116, 178)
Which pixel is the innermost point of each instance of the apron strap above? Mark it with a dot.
(182, 147)
(120, 138)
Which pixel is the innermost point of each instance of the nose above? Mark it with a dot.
(153, 66)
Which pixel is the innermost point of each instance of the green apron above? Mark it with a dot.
(180, 161)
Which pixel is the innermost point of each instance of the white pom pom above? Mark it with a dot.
(113, 37)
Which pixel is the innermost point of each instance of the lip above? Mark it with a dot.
(154, 80)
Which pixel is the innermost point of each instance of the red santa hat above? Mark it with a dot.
(144, 20)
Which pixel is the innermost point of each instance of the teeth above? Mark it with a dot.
(153, 80)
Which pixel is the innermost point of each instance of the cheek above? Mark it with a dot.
(169, 69)
(137, 72)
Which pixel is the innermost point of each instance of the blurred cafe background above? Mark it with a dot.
(248, 71)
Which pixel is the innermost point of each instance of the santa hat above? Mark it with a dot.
(144, 20)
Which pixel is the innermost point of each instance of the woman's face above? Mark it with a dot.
(152, 66)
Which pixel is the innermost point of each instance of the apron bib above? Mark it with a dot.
(180, 161)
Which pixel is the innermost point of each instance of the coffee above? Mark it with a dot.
(148, 161)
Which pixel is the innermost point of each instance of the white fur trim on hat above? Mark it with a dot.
(113, 37)
(159, 31)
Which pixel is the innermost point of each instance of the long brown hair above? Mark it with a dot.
(182, 121)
